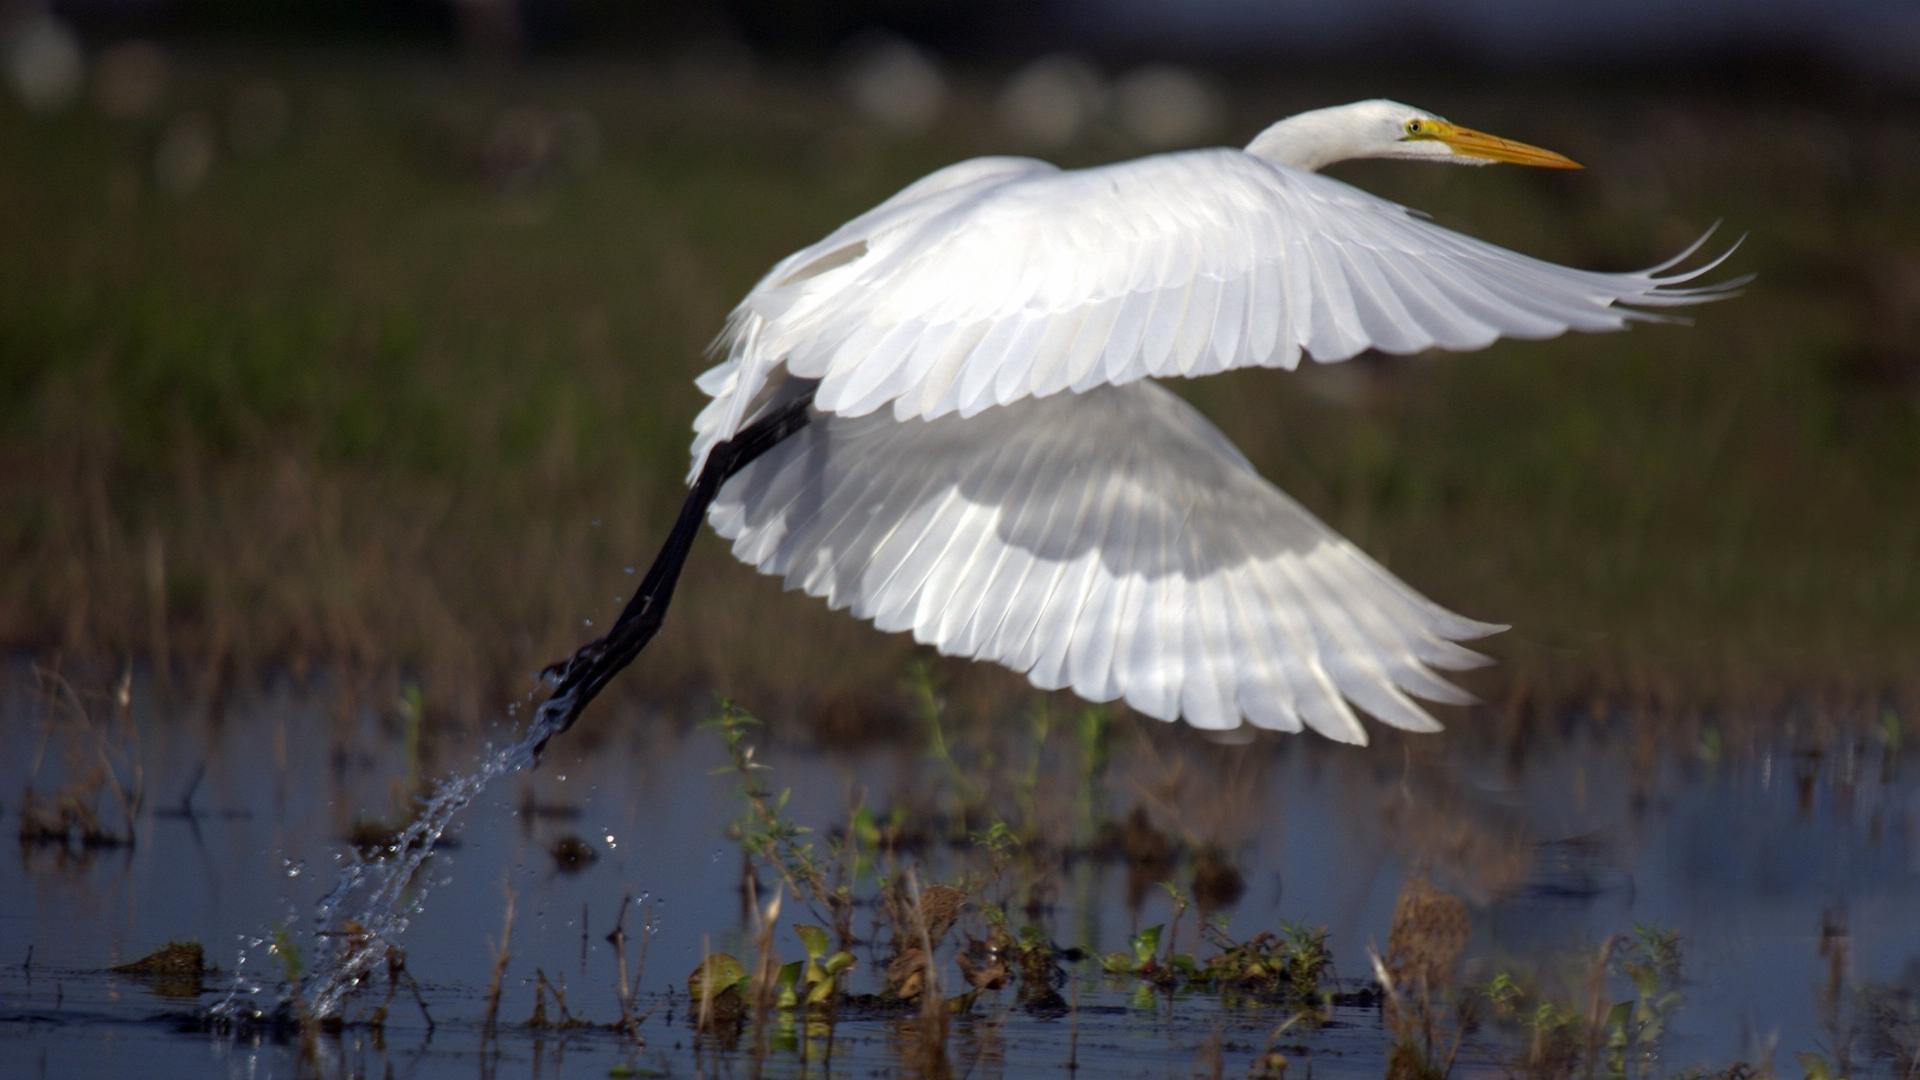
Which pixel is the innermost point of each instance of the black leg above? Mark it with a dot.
(581, 677)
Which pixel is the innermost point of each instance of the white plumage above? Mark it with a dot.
(989, 468)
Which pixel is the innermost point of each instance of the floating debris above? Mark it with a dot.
(571, 854)
(173, 958)
(175, 970)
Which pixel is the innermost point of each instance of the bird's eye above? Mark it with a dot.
(1413, 127)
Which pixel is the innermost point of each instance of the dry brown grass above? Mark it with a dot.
(366, 403)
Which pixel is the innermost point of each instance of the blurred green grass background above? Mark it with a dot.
(381, 364)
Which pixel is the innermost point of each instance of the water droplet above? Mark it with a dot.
(627, 570)
(586, 622)
(611, 842)
(294, 867)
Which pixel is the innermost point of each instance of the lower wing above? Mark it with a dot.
(1113, 542)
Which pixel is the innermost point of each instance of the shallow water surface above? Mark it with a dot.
(1786, 862)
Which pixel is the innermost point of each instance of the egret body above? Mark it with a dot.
(944, 416)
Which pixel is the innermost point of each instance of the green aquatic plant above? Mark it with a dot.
(1030, 957)
(1093, 743)
(768, 838)
(821, 971)
(1660, 950)
(1178, 898)
(1308, 960)
(1566, 1030)
(998, 840)
(1145, 945)
(1291, 965)
(1637, 1024)
(411, 711)
(1892, 732)
(1814, 1066)
(718, 989)
(286, 948)
(1555, 1044)
(1027, 786)
(1037, 961)
(968, 798)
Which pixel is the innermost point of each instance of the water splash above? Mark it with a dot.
(363, 916)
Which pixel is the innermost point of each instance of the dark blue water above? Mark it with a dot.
(1755, 855)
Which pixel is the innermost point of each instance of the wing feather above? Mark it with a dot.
(1112, 542)
(995, 281)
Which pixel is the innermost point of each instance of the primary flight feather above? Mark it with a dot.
(989, 466)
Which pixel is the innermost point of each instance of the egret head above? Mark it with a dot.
(1390, 129)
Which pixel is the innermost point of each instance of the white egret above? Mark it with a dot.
(942, 417)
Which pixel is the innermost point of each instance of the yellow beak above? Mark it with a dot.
(1465, 140)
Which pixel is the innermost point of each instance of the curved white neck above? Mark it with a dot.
(1311, 140)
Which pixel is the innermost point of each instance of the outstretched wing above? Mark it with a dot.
(1019, 280)
(1113, 542)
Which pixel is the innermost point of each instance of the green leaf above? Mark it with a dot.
(786, 1034)
(1617, 1018)
(839, 962)
(865, 828)
(1503, 991)
(1645, 979)
(1145, 944)
(812, 938)
(720, 971)
(1814, 1066)
(821, 992)
(789, 981)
